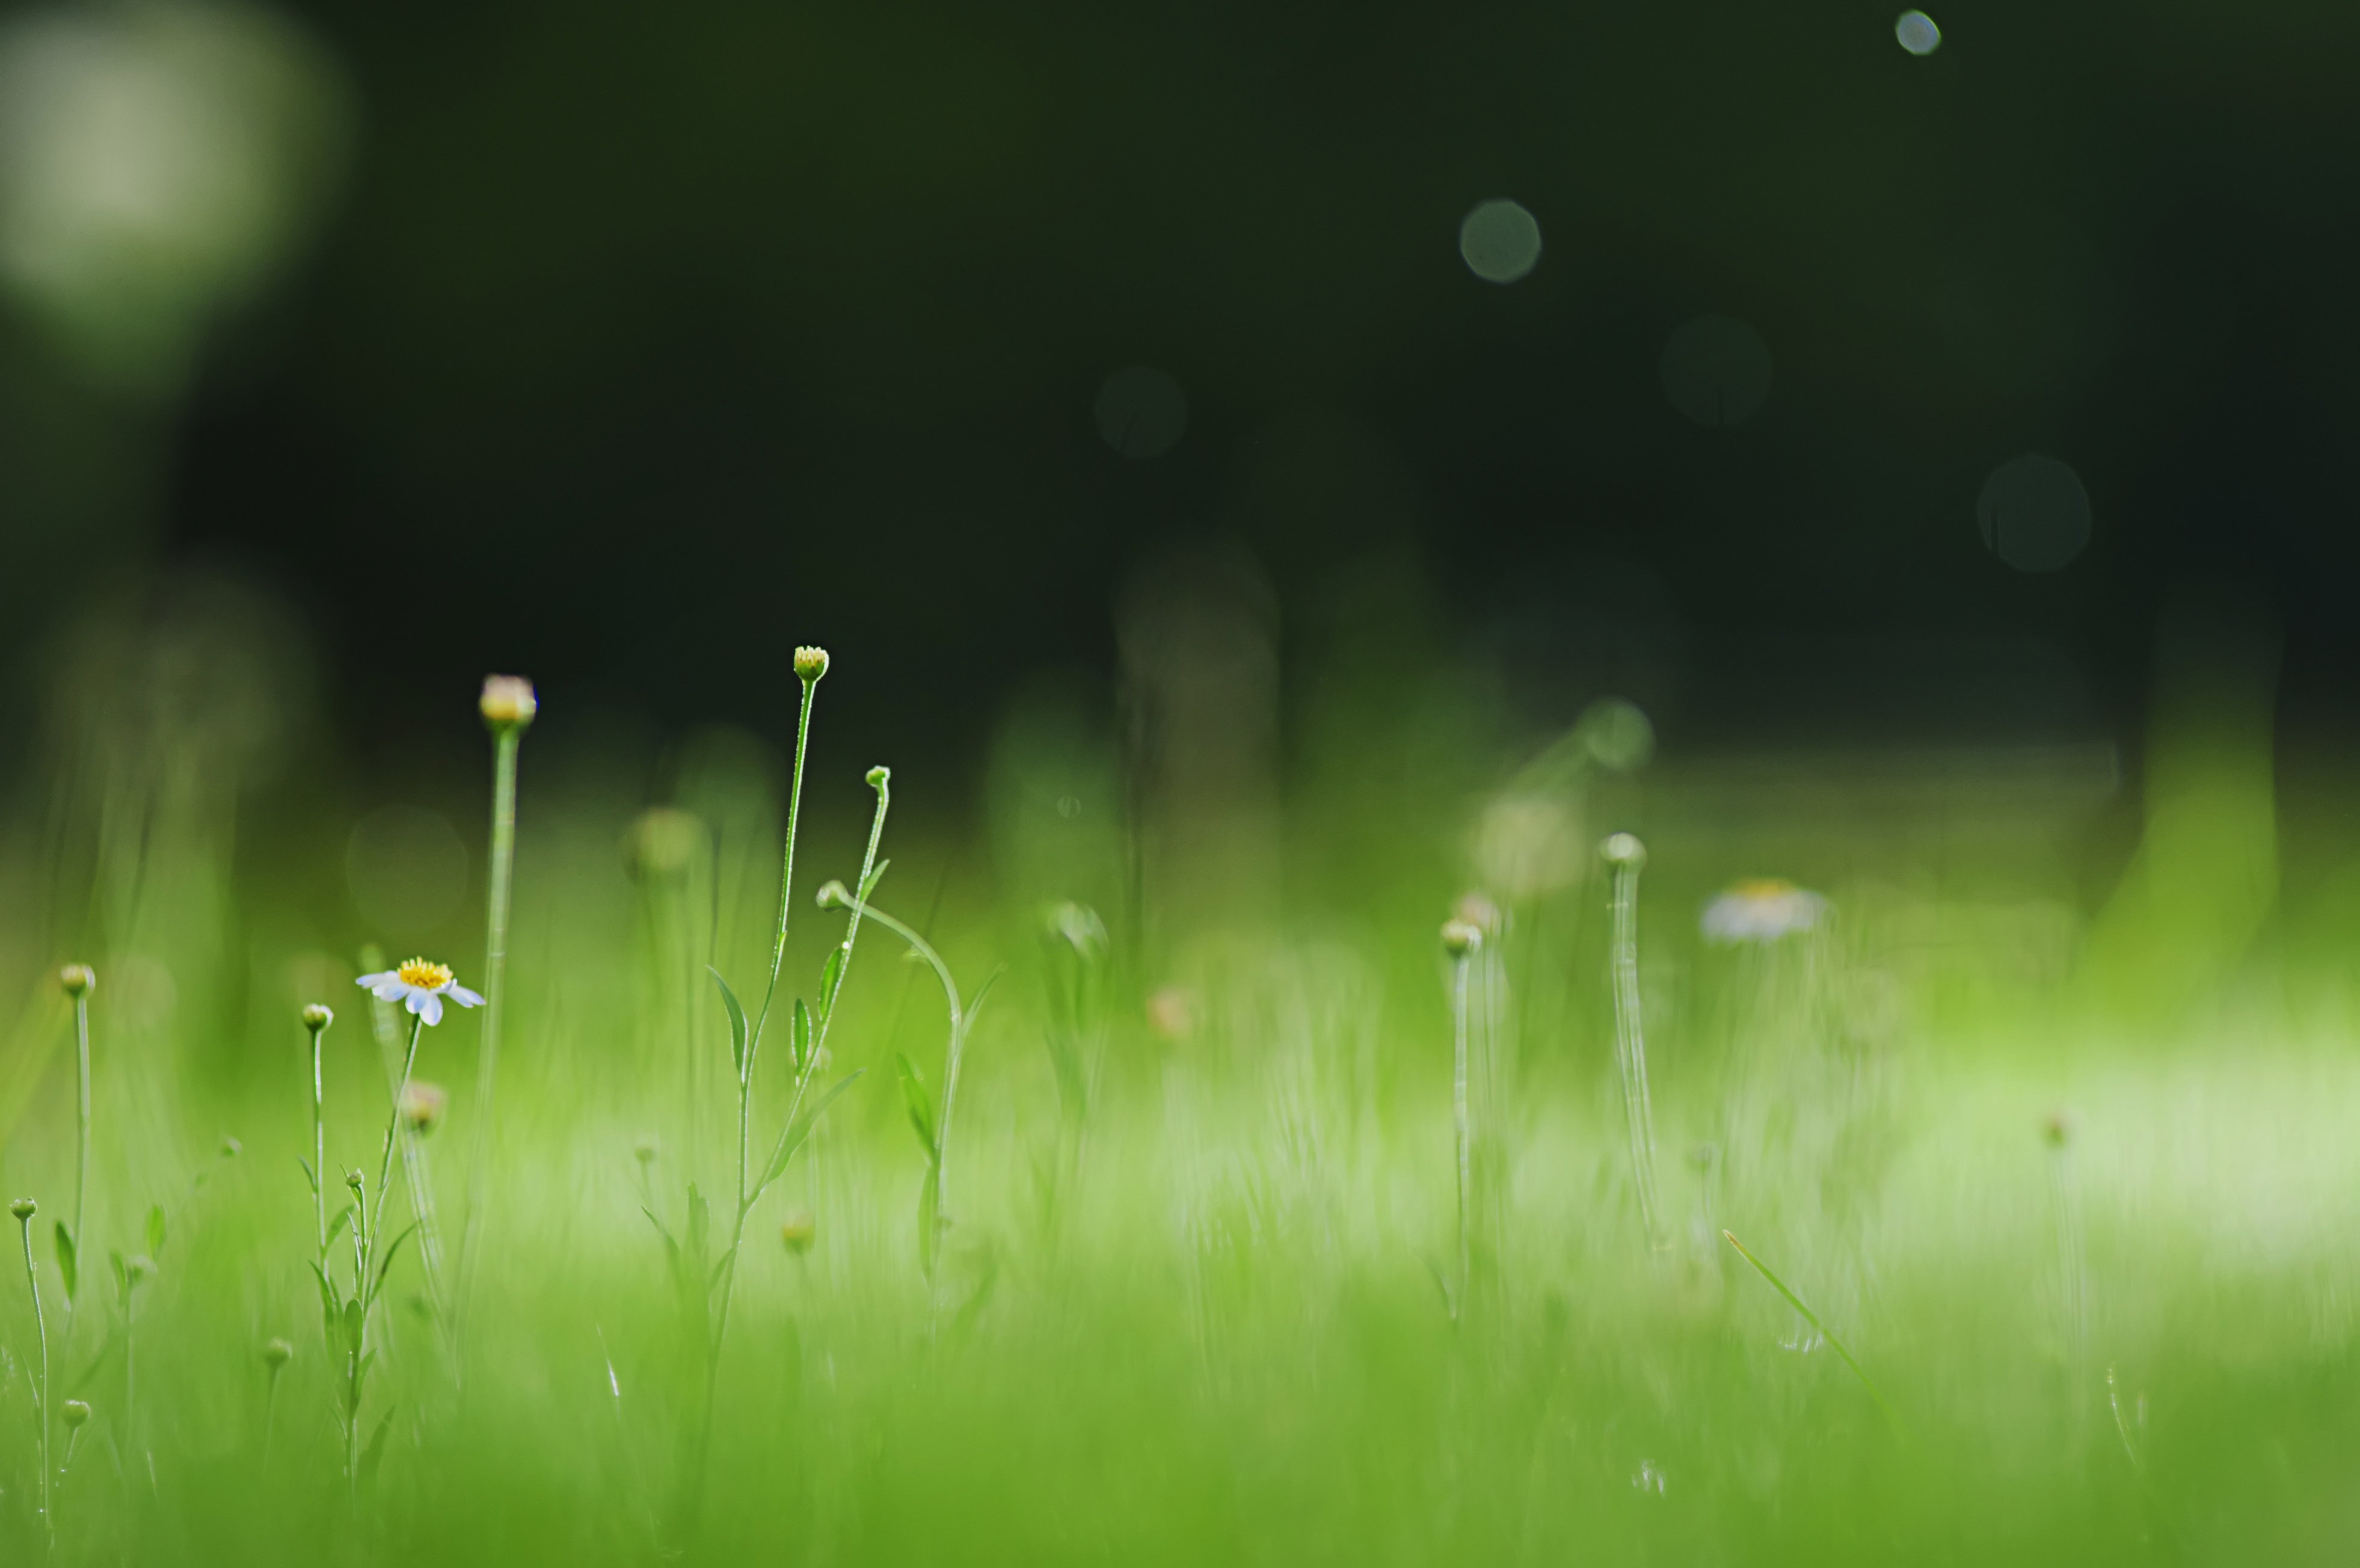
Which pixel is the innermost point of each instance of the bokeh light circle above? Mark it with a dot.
(1716, 370)
(406, 870)
(1500, 241)
(2034, 513)
(1141, 412)
(1918, 32)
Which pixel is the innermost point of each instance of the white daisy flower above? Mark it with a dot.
(1762, 909)
(421, 985)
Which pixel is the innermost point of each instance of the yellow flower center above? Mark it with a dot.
(424, 975)
(1751, 888)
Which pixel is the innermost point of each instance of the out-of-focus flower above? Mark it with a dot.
(663, 843)
(1761, 909)
(795, 1233)
(2057, 1129)
(1479, 911)
(507, 702)
(421, 986)
(422, 1105)
(1461, 937)
(1079, 927)
(1172, 1012)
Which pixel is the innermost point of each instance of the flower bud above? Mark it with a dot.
(833, 894)
(422, 1105)
(318, 1016)
(1623, 851)
(77, 979)
(507, 702)
(644, 1151)
(1461, 938)
(76, 1414)
(811, 663)
(353, 1179)
(23, 1208)
(796, 1233)
(278, 1354)
(878, 776)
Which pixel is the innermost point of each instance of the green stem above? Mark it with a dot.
(1459, 1118)
(1820, 1328)
(81, 1142)
(1631, 1046)
(41, 1330)
(506, 741)
(393, 1133)
(319, 1147)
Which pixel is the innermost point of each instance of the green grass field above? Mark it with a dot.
(2067, 1170)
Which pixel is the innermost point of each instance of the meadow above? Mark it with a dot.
(1129, 1204)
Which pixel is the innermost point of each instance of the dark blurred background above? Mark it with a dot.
(626, 347)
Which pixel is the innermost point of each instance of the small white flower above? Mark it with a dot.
(1762, 909)
(421, 986)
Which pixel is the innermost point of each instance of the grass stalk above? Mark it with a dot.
(24, 1209)
(1462, 940)
(1818, 1327)
(1625, 856)
(509, 707)
(78, 980)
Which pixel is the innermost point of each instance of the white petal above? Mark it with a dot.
(433, 1008)
(462, 996)
(390, 986)
(371, 980)
(415, 1000)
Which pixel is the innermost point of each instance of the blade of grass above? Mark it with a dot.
(1821, 1329)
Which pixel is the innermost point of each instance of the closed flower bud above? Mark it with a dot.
(77, 979)
(422, 1105)
(1461, 937)
(879, 777)
(833, 894)
(1623, 851)
(278, 1354)
(353, 1179)
(75, 1413)
(796, 1234)
(318, 1016)
(23, 1208)
(507, 702)
(811, 663)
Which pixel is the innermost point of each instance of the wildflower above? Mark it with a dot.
(663, 843)
(1621, 849)
(507, 702)
(1479, 911)
(1461, 937)
(421, 986)
(796, 1234)
(23, 1208)
(422, 1104)
(75, 1413)
(811, 663)
(77, 979)
(1762, 909)
(317, 1018)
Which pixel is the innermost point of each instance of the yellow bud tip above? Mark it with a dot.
(1623, 851)
(811, 663)
(77, 979)
(317, 1018)
(23, 1208)
(75, 1413)
(507, 702)
(1461, 937)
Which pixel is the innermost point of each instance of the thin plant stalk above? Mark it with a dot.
(79, 981)
(393, 1124)
(509, 707)
(24, 1209)
(1459, 1117)
(1625, 855)
(1818, 1327)
(316, 1020)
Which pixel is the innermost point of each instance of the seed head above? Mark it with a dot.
(318, 1016)
(278, 1354)
(507, 702)
(75, 1413)
(796, 1233)
(23, 1208)
(1461, 938)
(879, 777)
(811, 663)
(1623, 851)
(77, 979)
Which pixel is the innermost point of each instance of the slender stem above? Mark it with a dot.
(393, 1133)
(81, 1142)
(505, 739)
(269, 1416)
(319, 1146)
(1459, 1117)
(787, 872)
(1813, 1319)
(1631, 1046)
(41, 1330)
(131, 1362)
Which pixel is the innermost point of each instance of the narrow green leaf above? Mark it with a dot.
(831, 976)
(801, 1044)
(375, 1456)
(800, 1128)
(122, 1275)
(737, 1022)
(355, 1318)
(311, 1177)
(336, 1226)
(386, 1264)
(66, 1262)
(868, 888)
(713, 1280)
(919, 1102)
(700, 1223)
(1813, 1319)
(156, 1231)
